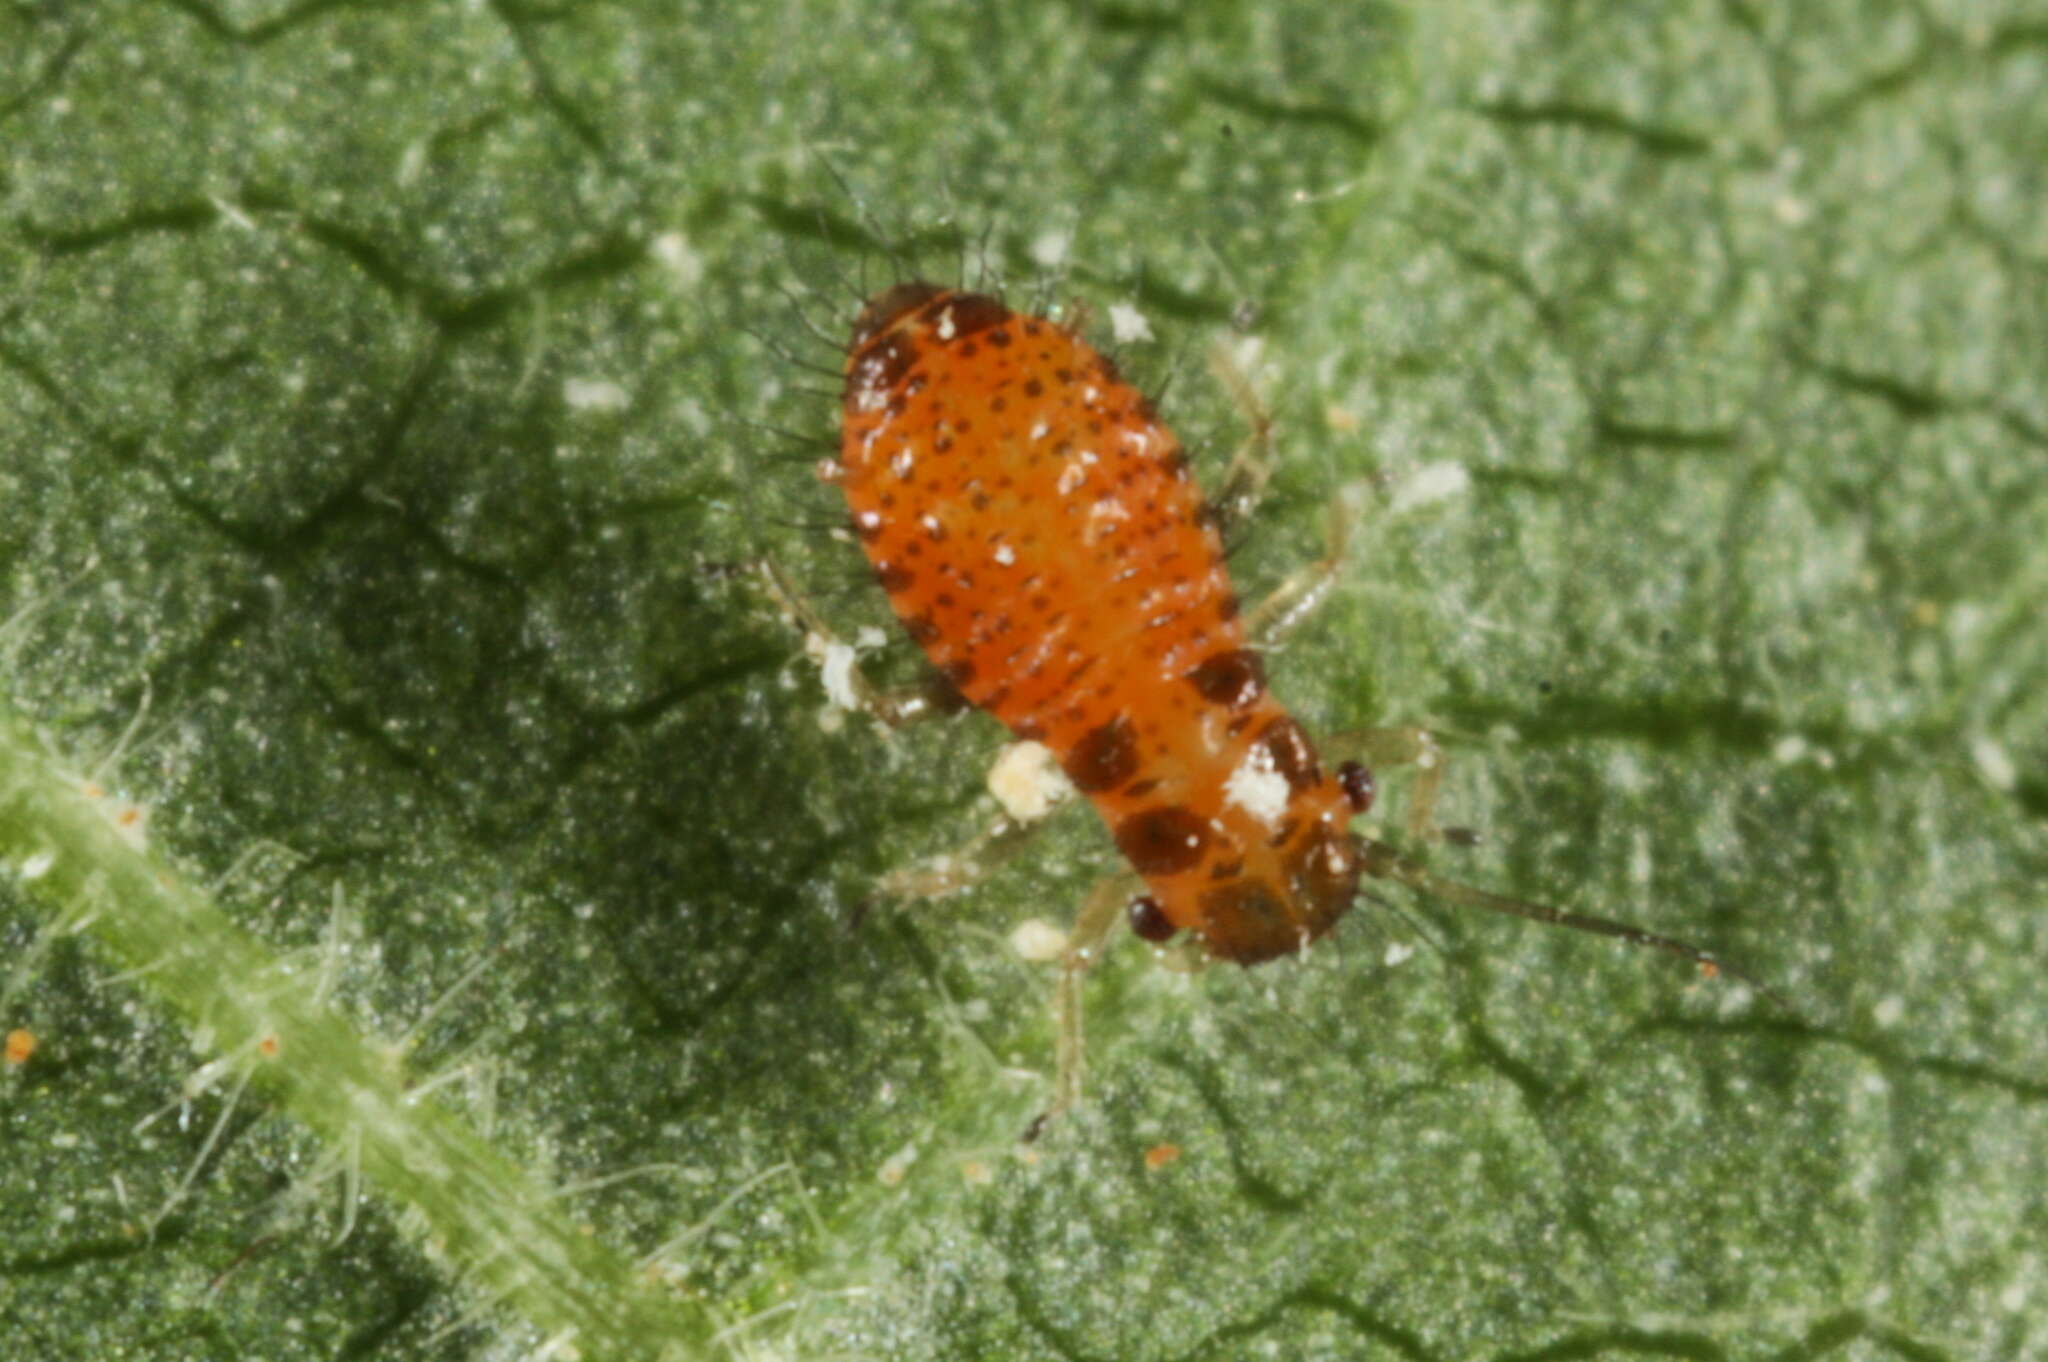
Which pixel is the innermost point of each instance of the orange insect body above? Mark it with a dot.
(1040, 536)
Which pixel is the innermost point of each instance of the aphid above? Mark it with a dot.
(1040, 536)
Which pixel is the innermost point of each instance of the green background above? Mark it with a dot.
(480, 780)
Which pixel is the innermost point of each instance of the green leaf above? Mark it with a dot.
(429, 857)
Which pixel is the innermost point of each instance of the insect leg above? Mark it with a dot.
(951, 871)
(1245, 477)
(1100, 913)
(845, 683)
(1294, 600)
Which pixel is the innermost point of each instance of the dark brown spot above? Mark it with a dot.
(972, 313)
(1139, 789)
(999, 337)
(879, 367)
(1234, 679)
(1292, 755)
(1105, 757)
(1033, 388)
(1226, 870)
(1245, 910)
(891, 303)
(1149, 920)
(1163, 840)
(968, 349)
(1227, 608)
(1359, 786)
(943, 689)
(922, 629)
(867, 531)
(894, 577)
(1324, 875)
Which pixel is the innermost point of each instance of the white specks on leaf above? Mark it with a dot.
(1037, 941)
(1994, 763)
(1429, 484)
(673, 252)
(595, 395)
(1128, 325)
(1050, 248)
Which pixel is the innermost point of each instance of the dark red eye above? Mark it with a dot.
(1149, 920)
(1359, 786)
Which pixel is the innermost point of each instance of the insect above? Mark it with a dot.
(1041, 537)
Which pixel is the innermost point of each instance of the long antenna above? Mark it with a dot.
(1383, 862)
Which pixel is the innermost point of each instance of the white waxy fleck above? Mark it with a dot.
(38, 865)
(1397, 953)
(1071, 479)
(1431, 483)
(931, 525)
(1027, 781)
(1257, 788)
(1038, 431)
(835, 669)
(869, 520)
(1005, 554)
(1049, 248)
(672, 251)
(595, 394)
(1128, 324)
(1994, 763)
(902, 463)
(1038, 941)
(946, 328)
